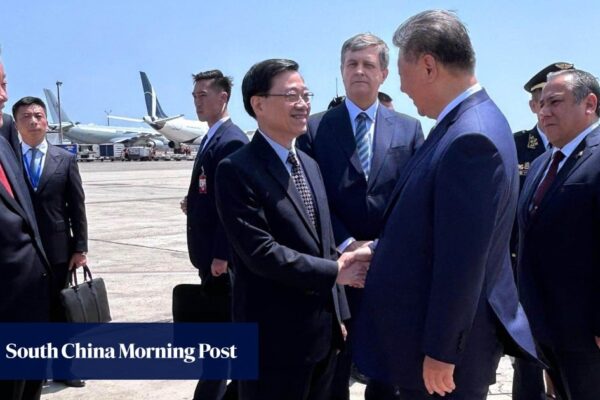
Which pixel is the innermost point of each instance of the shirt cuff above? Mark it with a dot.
(342, 247)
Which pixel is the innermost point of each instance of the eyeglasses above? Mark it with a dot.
(292, 97)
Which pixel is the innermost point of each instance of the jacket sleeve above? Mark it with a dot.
(221, 245)
(76, 208)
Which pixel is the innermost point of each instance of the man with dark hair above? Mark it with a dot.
(559, 226)
(56, 191)
(385, 100)
(528, 378)
(361, 148)
(207, 244)
(25, 274)
(440, 292)
(272, 202)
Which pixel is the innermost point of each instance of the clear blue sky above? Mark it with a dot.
(97, 48)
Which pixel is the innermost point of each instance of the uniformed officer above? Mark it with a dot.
(528, 379)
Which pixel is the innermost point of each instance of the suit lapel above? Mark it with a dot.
(435, 135)
(51, 164)
(279, 173)
(532, 184)
(341, 128)
(313, 175)
(579, 155)
(382, 140)
(212, 142)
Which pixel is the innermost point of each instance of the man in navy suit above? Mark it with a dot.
(358, 188)
(559, 227)
(25, 274)
(207, 244)
(58, 199)
(273, 205)
(528, 378)
(440, 291)
(8, 130)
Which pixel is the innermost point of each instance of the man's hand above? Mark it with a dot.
(438, 376)
(352, 269)
(355, 245)
(77, 260)
(183, 205)
(597, 341)
(218, 267)
(344, 331)
(362, 252)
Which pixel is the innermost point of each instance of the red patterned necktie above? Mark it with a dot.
(4, 181)
(547, 181)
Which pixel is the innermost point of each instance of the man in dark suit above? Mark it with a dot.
(273, 206)
(559, 227)
(360, 175)
(24, 270)
(528, 378)
(207, 244)
(440, 291)
(8, 130)
(58, 199)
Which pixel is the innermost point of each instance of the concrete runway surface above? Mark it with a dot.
(137, 243)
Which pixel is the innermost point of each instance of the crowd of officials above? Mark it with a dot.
(349, 237)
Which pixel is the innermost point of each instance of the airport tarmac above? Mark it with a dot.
(137, 243)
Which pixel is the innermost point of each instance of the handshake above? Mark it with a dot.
(353, 264)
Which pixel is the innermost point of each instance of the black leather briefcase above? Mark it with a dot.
(85, 302)
(197, 303)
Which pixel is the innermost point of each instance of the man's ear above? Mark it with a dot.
(431, 66)
(591, 103)
(257, 104)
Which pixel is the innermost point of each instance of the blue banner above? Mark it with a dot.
(128, 351)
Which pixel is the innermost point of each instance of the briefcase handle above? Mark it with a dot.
(87, 275)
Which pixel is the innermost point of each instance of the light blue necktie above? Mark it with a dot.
(34, 167)
(362, 143)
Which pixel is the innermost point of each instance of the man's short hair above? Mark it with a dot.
(220, 81)
(384, 97)
(259, 79)
(440, 34)
(27, 101)
(581, 84)
(363, 41)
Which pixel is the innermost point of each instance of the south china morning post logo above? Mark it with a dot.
(70, 351)
(129, 351)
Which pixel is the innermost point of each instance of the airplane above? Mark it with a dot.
(176, 129)
(98, 134)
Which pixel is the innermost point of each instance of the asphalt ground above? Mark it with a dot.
(137, 243)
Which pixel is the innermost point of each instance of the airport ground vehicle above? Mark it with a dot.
(139, 153)
(111, 151)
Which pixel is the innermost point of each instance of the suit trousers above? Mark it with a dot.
(216, 390)
(306, 382)
(528, 381)
(575, 374)
(20, 390)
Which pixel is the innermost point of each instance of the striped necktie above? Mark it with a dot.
(362, 143)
